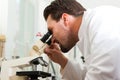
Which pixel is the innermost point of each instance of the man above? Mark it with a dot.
(97, 34)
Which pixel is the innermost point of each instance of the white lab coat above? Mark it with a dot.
(99, 36)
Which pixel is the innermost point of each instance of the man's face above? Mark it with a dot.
(61, 34)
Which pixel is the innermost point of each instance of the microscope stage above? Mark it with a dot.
(33, 74)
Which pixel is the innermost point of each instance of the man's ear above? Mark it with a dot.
(65, 18)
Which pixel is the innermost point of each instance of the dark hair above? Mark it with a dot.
(58, 7)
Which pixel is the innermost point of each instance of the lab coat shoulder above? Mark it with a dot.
(104, 39)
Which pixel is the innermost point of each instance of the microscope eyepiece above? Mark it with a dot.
(46, 37)
(49, 41)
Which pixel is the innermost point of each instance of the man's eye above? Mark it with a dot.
(50, 31)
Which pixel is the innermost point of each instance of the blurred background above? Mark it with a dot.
(21, 22)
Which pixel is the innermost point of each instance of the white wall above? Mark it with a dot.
(95, 3)
(3, 16)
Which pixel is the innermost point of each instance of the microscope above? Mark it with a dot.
(14, 69)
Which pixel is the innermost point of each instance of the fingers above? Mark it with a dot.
(52, 50)
(51, 53)
(55, 54)
(55, 46)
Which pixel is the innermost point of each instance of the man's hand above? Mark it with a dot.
(54, 53)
